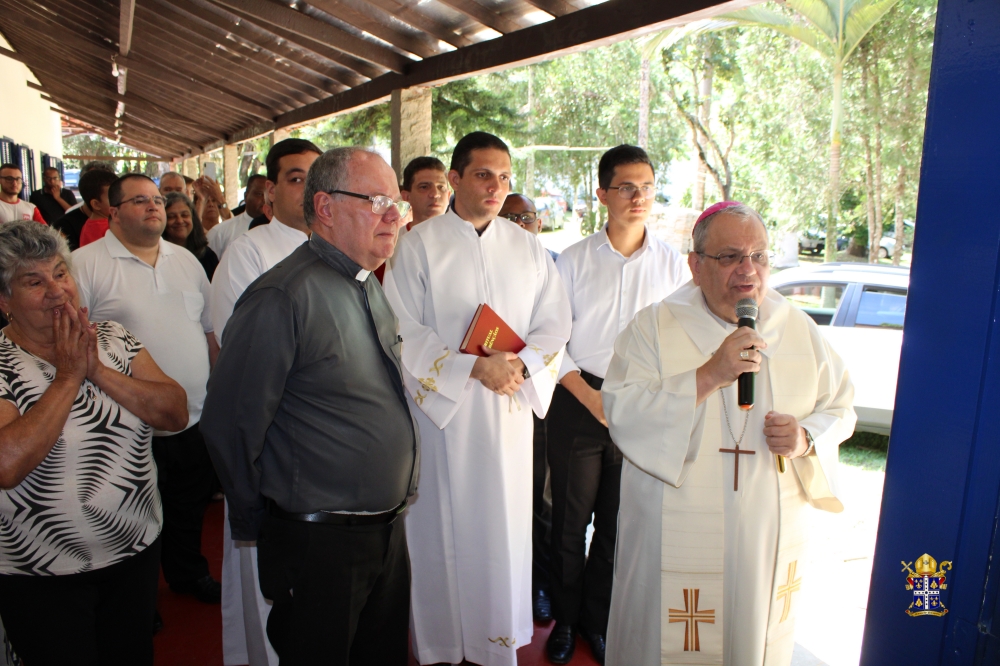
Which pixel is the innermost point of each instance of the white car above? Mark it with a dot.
(859, 308)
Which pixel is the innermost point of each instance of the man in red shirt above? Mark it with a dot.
(12, 207)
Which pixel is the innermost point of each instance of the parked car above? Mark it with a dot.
(859, 309)
(552, 211)
(812, 241)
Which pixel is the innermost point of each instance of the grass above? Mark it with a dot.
(865, 450)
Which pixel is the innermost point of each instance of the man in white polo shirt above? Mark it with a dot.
(244, 609)
(159, 292)
(225, 232)
(609, 277)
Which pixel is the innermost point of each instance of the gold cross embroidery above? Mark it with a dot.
(691, 616)
(792, 584)
(428, 383)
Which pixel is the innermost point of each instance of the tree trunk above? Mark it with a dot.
(877, 91)
(529, 168)
(836, 124)
(644, 104)
(897, 252)
(705, 114)
(870, 204)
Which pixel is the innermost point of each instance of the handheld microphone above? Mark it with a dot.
(746, 313)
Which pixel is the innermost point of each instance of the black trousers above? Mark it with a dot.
(186, 479)
(102, 617)
(341, 594)
(541, 524)
(586, 469)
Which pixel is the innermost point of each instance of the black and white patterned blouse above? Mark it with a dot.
(93, 501)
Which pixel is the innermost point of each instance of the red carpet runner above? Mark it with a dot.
(192, 631)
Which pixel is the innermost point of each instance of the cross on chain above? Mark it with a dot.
(792, 584)
(691, 616)
(736, 467)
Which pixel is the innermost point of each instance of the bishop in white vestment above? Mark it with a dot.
(708, 567)
(469, 528)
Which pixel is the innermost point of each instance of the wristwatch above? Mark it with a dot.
(525, 373)
(812, 443)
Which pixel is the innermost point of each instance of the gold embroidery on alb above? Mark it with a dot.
(436, 367)
(504, 641)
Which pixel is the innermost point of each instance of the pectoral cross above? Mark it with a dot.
(736, 470)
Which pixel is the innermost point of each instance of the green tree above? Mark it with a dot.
(834, 28)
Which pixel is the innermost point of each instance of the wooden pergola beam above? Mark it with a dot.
(262, 39)
(300, 24)
(595, 26)
(237, 68)
(481, 14)
(356, 16)
(412, 16)
(555, 7)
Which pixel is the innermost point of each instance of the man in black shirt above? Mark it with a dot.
(53, 200)
(313, 441)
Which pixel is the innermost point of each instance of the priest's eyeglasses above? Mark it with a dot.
(725, 260)
(521, 218)
(628, 190)
(380, 203)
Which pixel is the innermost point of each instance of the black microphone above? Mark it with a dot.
(746, 312)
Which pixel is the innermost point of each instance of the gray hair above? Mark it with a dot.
(329, 172)
(25, 243)
(742, 211)
(170, 198)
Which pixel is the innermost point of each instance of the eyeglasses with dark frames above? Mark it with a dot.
(521, 218)
(726, 260)
(380, 203)
(628, 190)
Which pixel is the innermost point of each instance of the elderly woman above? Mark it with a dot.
(80, 513)
(184, 229)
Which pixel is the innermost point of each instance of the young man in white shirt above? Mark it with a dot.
(244, 609)
(12, 207)
(159, 292)
(225, 232)
(252, 254)
(609, 277)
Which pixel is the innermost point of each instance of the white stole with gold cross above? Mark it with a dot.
(693, 518)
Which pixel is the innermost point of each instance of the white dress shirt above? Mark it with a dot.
(165, 306)
(225, 232)
(246, 259)
(606, 290)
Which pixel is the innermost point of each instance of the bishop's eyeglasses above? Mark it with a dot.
(729, 259)
(380, 203)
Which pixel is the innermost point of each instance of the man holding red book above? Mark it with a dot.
(470, 524)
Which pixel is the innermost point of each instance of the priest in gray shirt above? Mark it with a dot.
(307, 424)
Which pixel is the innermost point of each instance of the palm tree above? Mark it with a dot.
(834, 28)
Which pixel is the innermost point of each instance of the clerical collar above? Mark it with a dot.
(331, 255)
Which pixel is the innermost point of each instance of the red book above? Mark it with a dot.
(489, 330)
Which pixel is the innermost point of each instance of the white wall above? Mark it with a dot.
(24, 116)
